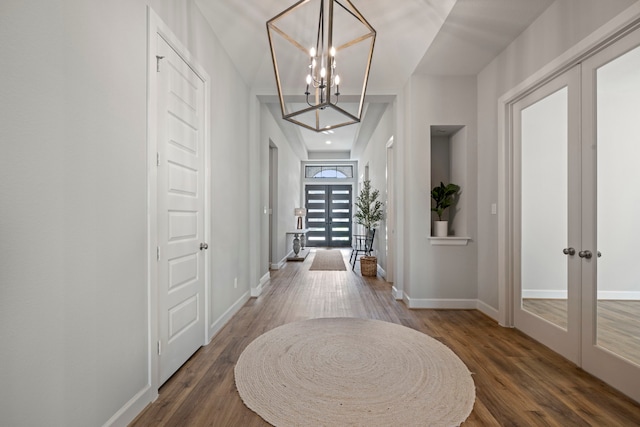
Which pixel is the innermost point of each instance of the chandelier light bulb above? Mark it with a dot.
(312, 52)
(323, 72)
(308, 79)
(337, 80)
(333, 51)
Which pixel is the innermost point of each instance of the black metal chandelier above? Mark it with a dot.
(321, 50)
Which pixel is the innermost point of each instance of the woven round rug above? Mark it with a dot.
(348, 371)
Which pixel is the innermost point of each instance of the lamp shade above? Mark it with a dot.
(321, 52)
(300, 212)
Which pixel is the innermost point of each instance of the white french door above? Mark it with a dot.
(547, 218)
(181, 213)
(576, 204)
(611, 209)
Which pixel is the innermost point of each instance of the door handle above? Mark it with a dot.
(585, 254)
(204, 246)
(569, 251)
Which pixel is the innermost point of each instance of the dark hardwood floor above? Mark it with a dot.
(518, 381)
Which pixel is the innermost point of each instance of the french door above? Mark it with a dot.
(576, 152)
(329, 215)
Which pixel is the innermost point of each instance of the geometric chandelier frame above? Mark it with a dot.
(321, 52)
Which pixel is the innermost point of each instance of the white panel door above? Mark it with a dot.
(181, 278)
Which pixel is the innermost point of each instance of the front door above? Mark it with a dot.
(329, 215)
(180, 166)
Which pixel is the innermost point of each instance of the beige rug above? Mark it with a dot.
(328, 260)
(347, 371)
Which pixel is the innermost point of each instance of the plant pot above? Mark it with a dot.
(369, 266)
(440, 228)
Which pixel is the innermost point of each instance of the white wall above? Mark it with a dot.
(435, 275)
(73, 191)
(289, 185)
(561, 26)
(375, 156)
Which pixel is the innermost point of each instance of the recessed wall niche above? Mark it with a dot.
(449, 165)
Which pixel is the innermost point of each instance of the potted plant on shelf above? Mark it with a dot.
(368, 214)
(443, 196)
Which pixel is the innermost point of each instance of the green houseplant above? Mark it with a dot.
(443, 196)
(368, 214)
(368, 207)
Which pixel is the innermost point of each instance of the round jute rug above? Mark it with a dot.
(347, 371)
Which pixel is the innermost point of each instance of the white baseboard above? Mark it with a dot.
(397, 293)
(132, 408)
(463, 304)
(619, 295)
(487, 309)
(382, 273)
(219, 323)
(544, 294)
(257, 291)
(603, 295)
(279, 265)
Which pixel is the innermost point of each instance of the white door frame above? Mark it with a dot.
(157, 26)
(622, 24)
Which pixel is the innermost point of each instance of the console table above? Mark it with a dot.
(299, 238)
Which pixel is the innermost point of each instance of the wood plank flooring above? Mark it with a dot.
(518, 381)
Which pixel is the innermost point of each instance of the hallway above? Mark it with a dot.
(518, 381)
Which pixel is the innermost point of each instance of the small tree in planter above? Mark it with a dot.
(369, 208)
(443, 196)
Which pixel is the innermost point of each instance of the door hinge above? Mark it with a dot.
(157, 159)
(158, 58)
(158, 253)
(159, 348)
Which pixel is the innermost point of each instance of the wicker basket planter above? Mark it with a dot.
(369, 266)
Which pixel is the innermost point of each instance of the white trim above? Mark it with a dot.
(279, 265)
(544, 294)
(561, 294)
(599, 39)
(221, 321)
(619, 295)
(449, 241)
(397, 293)
(459, 304)
(133, 407)
(257, 291)
(487, 309)
(381, 272)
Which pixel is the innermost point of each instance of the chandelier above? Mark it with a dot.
(321, 52)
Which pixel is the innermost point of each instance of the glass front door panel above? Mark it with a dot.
(618, 205)
(544, 208)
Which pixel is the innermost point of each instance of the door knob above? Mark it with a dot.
(569, 251)
(204, 246)
(585, 254)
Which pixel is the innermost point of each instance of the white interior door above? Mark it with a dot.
(546, 135)
(611, 227)
(181, 174)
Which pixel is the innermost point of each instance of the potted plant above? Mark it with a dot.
(443, 196)
(368, 214)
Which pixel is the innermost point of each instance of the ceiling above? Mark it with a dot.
(437, 37)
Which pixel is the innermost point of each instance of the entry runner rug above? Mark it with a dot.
(328, 260)
(347, 371)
